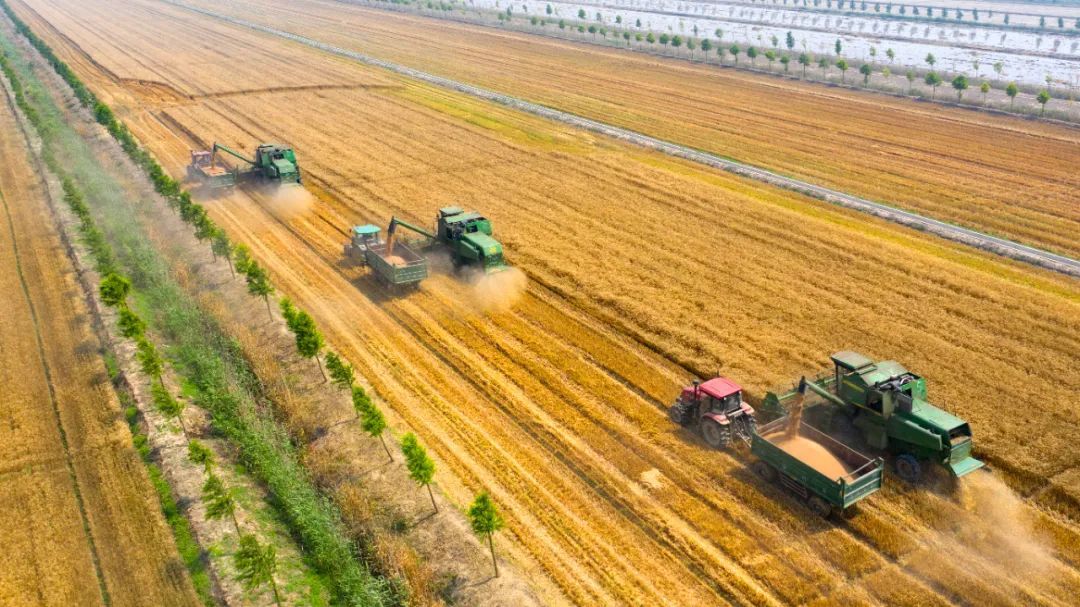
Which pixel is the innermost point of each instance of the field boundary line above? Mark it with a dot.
(40, 343)
(985, 242)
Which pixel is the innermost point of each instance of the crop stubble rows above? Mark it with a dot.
(1006, 176)
(77, 502)
(558, 413)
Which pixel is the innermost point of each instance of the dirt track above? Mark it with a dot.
(80, 521)
(557, 405)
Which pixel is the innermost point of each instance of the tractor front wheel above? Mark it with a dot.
(908, 468)
(715, 435)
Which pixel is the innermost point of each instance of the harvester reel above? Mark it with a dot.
(715, 435)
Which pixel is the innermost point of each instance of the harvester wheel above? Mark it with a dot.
(715, 435)
(765, 471)
(819, 506)
(908, 468)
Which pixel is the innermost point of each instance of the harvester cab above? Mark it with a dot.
(887, 405)
(277, 163)
(468, 235)
(715, 409)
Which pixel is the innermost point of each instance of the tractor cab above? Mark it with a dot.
(470, 235)
(716, 409)
(360, 239)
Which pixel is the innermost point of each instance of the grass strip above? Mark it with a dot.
(200, 349)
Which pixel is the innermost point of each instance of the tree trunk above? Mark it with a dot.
(317, 360)
(273, 586)
(383, 440)
(235, 523)
(494, 562)
(232, 271)
(432, 494)
(266, 299)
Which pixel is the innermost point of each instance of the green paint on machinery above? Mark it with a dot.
(885, 404)
(465, 235)
(273, 163)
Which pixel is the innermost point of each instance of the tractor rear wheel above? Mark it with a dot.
(765, 471)
(715, 435)
(907, 468)
(819, 506)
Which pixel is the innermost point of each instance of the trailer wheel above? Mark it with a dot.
(819, 506)
(715, 435)
(907, 468)
(765, 471)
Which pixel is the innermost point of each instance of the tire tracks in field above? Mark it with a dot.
(985, 242)
(45, 368)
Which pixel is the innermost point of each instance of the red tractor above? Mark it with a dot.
(716, 409)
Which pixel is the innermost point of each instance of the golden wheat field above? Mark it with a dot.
(80, 521)
(1002, 175)
(641, 271)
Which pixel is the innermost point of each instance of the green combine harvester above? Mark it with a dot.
(885, 406)
(465, 235)
(273, 164)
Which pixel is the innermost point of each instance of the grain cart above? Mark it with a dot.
(273, 163)
(829, 475)
(394, 263)
(213, 177)
(885, 405)
(466, 236)
(715, 410)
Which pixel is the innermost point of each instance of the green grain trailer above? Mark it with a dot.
(823, 494)
(404, 268)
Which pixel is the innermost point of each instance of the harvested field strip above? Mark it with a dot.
(1003, 176)
(125, 551)
(556, 405)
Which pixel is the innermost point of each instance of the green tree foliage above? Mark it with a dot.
(201, 454)
(866, 70)
(984, 88)
(581, 13)
(804, 61)
(131, 326)
(706, 46)
(256, 565)
(676, 42)
(341, 372)
(650, 38)
(790, 41)
(114, 290)
(222, 247)
(933, 81)
(752, 53)
(838, 46)
(842, 65)
(785, 60)
(734, 50)
(770, 56)
(420, 465)
(930, 59)
(242, 258)
(150, 361)
(485, 522)
(288, 312)
(910, 75)
(309, 340)
(891, 54)
(1012, 90)
(1043, 98)
(960, 83)
(258, 283)
(168, 405)
(372, 420)
(219, 501)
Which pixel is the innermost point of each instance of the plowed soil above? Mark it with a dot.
(641, 271)
(79, 520)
